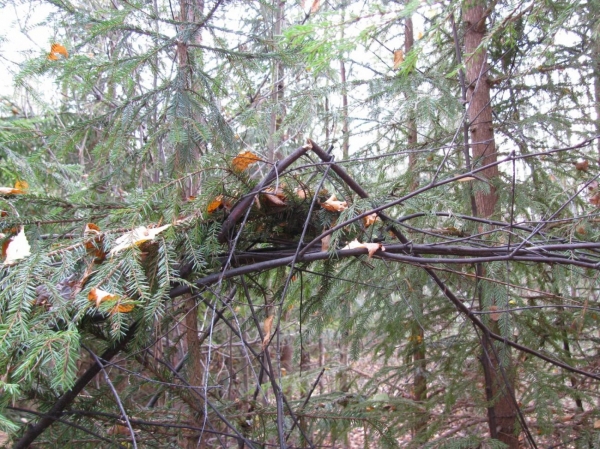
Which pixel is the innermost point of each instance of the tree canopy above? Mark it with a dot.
(306, 224)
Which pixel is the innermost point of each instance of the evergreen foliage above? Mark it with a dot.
(224, 296)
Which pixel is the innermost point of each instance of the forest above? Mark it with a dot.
(300, 224)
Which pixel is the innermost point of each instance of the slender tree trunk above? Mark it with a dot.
(194, 369)
(345, 133)
(596, 68)
(498, 376)
(278, 87)
(417, 333)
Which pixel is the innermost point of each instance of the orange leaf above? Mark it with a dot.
(91, 228)
(315, 6)
(52, 57)
(217, 204)
(20, 187)
(58, 49)
(244, 159)
(99, 296)
(122, 308)
(333, 205)
(398, 58)
(371, 248)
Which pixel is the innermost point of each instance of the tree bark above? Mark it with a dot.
(499, 378)
(417, 333)
(479, 107)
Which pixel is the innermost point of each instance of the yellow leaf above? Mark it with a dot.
(16, 248)
(467, 178)
(398, 58)
(244, 159)
(20, 187)
(122, 308)
(370, 247)
(333, 205)
(136, 237)
(420, 35)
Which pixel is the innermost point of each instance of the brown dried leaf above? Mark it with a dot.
(300, 192)
(275, 196)
(370, 219)
(136, 237)
(267, 325)
(244, 159)
(97, 295)
(582, 165)
(333, 205)
(495, 316)
(371, 248)
(325, 241)
(398, 58)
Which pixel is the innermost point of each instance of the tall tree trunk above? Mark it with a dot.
(191, 12)
(499, 378)
(278, 87)
(417, 333)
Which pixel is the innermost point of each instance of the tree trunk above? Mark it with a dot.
(417, 333)
(498, 378)
(278, 88)
(479, 109)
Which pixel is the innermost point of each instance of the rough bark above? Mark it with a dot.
(479, 108)
(498, 377)
(417, 333)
